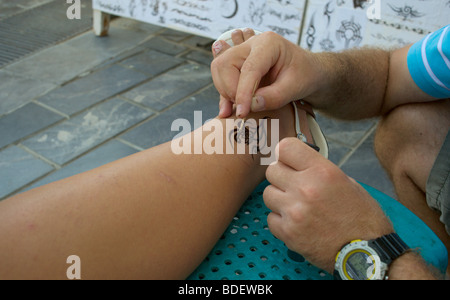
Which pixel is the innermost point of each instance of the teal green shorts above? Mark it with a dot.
(438, 184)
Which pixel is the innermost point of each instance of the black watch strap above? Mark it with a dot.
(389, 247)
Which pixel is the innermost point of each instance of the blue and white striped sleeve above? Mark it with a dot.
(429, 63)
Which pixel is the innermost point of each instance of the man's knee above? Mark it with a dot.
(396, 133)
(409, 138)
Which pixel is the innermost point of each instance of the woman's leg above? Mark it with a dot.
(152, 215)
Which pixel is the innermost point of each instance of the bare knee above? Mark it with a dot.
(409, 138)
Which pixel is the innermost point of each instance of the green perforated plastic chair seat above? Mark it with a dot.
(247, 250)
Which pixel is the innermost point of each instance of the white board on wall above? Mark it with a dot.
(335, 25)
(210, 18)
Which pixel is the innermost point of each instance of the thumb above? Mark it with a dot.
(272, 97)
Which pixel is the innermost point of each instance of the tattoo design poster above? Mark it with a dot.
(335, 25)
(210, 18)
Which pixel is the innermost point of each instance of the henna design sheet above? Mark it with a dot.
(210, 18)
(336, 25)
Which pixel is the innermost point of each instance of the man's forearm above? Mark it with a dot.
(354, 83)
(410, 266)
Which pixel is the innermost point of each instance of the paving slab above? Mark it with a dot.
(176, 35)
(109, 152)
(92, 89)
(9, 8)
(32, 30)
(365, 167)
(337, 152)
(160, 44)
(171, 87)
(158, 130)
(75, 136)
(151, 62)
(16, 91)
(348, 133)
(18, 168)
(200, 57)
(64, 62)
(119, 39)
(57, 64)
(25, 121)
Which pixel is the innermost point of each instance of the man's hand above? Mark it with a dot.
(263, 72)
(316, 208)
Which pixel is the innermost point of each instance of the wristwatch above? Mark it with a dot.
(368, 260)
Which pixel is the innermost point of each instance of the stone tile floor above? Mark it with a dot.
(87, 101)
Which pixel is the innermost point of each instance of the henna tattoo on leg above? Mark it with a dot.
(253, 136)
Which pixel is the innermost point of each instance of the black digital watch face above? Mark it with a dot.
(359, 265)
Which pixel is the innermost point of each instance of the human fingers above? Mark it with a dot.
(254, 68)
(297, 155)
(275, 95)
(275, 223)
(218, 47)
(280, 175)
(293, 75)
(231, 39)
(274, 198)
(237, 37)
(225, 71)
(265, 61)
(281, 206)
(248, 33)
(225, 107)
(240, 36)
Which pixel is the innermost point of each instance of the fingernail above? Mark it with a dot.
(217, 47)
(239, 110)
(248, 30)
(257, 103)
